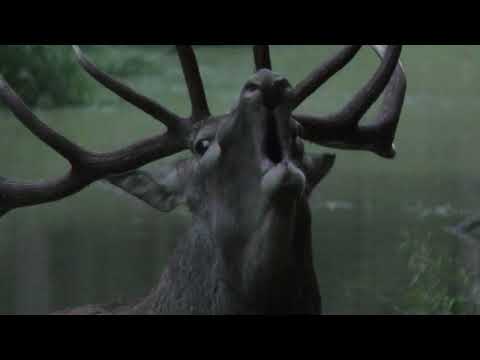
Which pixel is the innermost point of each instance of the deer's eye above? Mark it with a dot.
(250, 86)
(202, 146)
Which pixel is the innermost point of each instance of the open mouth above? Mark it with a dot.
(272, 147)
(280, 175)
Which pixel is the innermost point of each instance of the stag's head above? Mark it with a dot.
(248, 175)
(247, 169)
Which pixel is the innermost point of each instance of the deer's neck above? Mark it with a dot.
(266, 276)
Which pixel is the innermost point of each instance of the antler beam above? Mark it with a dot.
(87, 166)
(342, 129)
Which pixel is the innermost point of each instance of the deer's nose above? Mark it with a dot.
(273, 92)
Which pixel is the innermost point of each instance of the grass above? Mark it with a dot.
(439, 283)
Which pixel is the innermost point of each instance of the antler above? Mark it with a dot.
(144, 103)
(261, 54)
(320, 75)
(87, 166)
(342, 129)
(194, 82)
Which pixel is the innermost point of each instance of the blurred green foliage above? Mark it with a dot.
(439, 283)
(127, 60)
(43, 75)
(49, 75)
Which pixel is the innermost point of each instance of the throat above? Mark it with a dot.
(272, 274)
(278, 269)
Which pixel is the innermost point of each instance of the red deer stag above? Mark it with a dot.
(247, 182)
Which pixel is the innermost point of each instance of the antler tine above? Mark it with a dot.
(87, 166)
(368, 94)
(144, 103)
(323, 73)
(70, 151)
(261, 55)
(342, 130)
(194, 82)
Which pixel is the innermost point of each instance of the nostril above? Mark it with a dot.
(281, 83)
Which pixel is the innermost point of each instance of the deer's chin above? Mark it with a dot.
(283, 181)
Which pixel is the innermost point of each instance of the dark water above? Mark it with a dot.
(381, 227)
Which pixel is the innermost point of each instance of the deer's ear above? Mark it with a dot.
(163, 188)
(317, 166)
